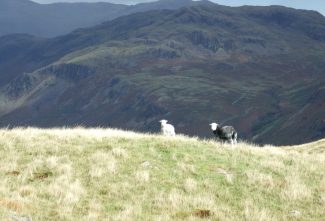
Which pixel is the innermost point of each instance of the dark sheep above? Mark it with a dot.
(226, 133)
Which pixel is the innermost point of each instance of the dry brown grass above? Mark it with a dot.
(104, 174)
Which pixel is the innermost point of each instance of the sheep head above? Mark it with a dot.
(214, 126)
(163, 122)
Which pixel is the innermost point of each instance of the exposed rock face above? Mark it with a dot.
(20, 85)
(71, 72)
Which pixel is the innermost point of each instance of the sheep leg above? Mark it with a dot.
(235, 137)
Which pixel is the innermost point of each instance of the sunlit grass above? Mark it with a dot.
(106, 174)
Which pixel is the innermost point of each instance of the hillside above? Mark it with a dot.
(105, 174)
(260, 69)
(50, 20)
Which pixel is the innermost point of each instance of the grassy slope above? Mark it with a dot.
(103, 174)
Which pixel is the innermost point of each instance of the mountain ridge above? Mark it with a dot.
(212, 63)
(51, 20)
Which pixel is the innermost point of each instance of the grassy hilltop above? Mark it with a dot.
(104, 174)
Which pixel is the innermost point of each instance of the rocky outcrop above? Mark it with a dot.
(71, 72)
(21, 85)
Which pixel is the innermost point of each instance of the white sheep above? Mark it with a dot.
(167, 129)
(226, 133)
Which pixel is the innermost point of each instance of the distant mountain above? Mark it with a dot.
(260, 69)
(50, 20)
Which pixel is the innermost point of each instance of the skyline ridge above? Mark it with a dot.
(316, 5)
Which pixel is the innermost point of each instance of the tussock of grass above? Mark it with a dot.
(105, 174)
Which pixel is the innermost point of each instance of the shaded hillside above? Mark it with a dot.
(241, 66)
(97, 174)
(50, 20)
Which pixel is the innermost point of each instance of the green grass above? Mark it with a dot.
(104, 174)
